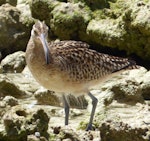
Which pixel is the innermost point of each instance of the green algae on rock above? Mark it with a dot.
(128, 22)
(70, 20)
(106, 32)
(14, 34)
(45, 7)
(119, 24)
(20, 122)
(94, 4)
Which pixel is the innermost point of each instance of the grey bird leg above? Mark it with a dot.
(66, 108)
(94, 103)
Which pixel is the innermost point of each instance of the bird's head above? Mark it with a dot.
(39, 33)
(39, 29)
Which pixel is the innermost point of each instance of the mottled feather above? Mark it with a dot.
(84, 64)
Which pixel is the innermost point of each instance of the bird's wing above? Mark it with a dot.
(88, 64)
(115, 64)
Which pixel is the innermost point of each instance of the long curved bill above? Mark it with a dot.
(46, 49)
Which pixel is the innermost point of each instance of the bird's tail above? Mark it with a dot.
(130, 65)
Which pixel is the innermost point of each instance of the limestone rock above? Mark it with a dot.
(122, 111)
(121, 26)
(2, 2)
(9, 100)
(74, 26)
(46, 7)
(11, 2)
(48, 97)
(69, 134)
(127, 86)
(17, 85)
(118, 131)
(19, 122)
(14, 62)
(25, 14)
(115, 24)
(44, 96)
(8, 87)
(106, 32)
(35, 138)
(145, 86)
(14, 34)
(94, 5)
(1, 69)
(3, 108)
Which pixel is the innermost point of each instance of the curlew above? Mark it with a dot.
(69, 66)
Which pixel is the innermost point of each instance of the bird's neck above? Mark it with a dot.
(39, 52)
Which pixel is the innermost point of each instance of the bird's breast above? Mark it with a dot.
(54, 79)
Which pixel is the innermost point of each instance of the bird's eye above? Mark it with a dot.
(35, 32)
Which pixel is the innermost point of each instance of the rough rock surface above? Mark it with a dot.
(25, 13)
(11, 2)
(123, 112)
(16, 85)
(44, 96)
(14, 33)
(126, 30)
(118, 131)
(116, 24)
(69, 134)
(77, 19)
(19, 122)
(123, 109)
(14, 63)
(10, 100)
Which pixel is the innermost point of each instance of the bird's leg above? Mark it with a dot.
(94, 103)
(66, 108)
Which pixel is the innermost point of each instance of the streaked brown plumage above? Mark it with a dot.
(69, 66)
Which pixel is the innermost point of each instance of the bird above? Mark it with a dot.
(69, 66)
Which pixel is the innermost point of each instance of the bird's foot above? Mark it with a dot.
(89, 127)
